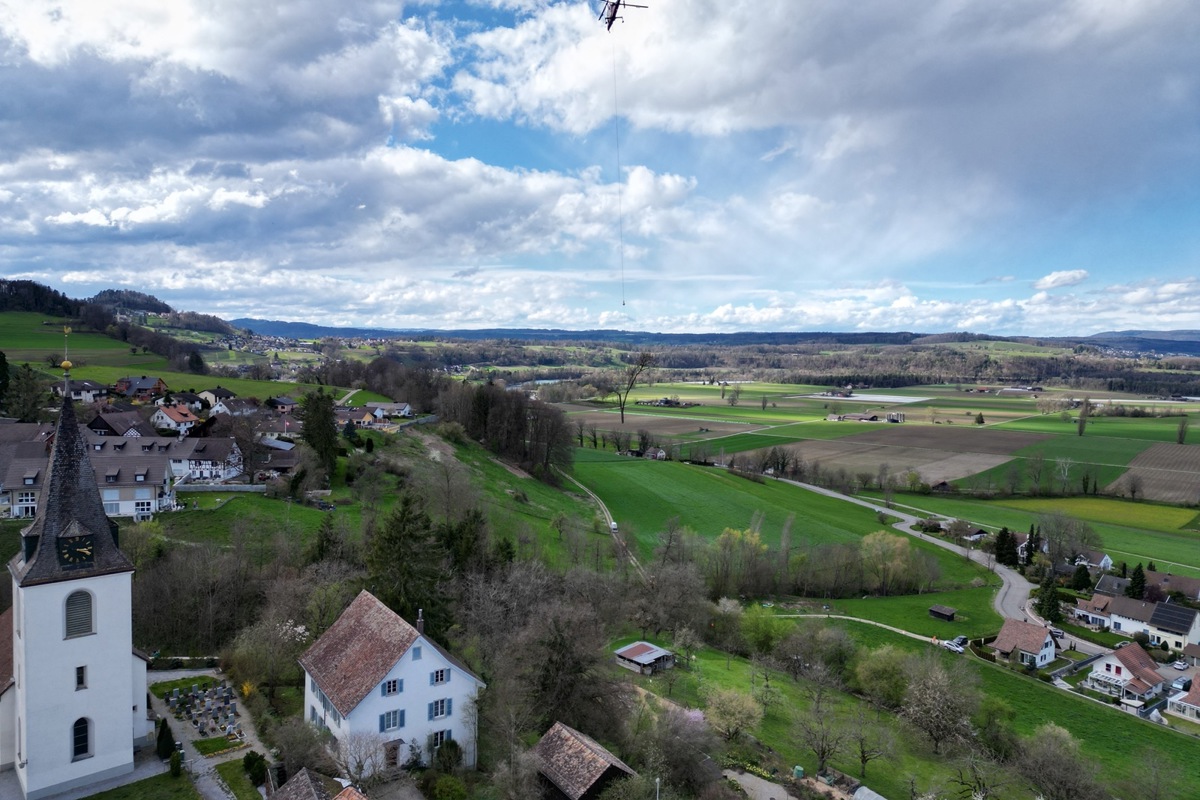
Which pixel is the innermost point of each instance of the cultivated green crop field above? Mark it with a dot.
(24, 337)
(642, 495)
(1176, 549)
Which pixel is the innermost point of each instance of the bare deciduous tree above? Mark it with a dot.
(643, 361)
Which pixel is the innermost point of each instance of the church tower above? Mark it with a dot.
(80, 689)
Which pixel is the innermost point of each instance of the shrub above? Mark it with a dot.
(449, 787)
(448, 757)
(176, 764)
(255, 765)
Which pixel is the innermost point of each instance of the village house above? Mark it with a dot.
(1112, 585)
(1128, 673)
(1170, 584)
(141, 390)
(83, 391)
(383, 411)
(129, 424)
(174, 418)
(284, 405)
(372, 672)
(212, 396)
(574, 766)
(1025, 642)
(1186, 704)
(1174, 625)
(234, 407)
(189, 400)
(1128, 616)
(308, 785)
(1094, 611)
(1094, 560)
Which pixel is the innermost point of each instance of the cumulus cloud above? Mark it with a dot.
(1057, 280)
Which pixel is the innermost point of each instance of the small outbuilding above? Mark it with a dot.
(943, 612)
(575, 766)
(645, 658)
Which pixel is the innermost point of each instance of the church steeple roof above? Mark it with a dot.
(69, 506)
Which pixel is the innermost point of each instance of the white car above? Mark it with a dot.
(953, 647)
(1180, 664)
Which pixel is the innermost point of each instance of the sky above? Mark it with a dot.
(1028, 167)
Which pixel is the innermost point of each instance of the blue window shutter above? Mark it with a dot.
(400, 686)
(383, 688)
(448, 674)
(402, 718)
(449, 703)
(382, 722)
(431, 677)
(431, 710)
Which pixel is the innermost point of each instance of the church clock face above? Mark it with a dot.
(76, 551)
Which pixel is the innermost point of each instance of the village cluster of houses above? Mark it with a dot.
(140, 460)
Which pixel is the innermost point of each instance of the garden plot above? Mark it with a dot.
(1167, 473)
(664, 424)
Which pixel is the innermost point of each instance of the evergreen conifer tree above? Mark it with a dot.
(1047, 605)
(1137, 583)
(1082, 579)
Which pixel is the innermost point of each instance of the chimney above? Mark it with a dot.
(421, 621)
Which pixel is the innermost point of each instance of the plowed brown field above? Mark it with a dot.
(1169, 473)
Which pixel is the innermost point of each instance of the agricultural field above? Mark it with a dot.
(642, 495)
(1130, 532)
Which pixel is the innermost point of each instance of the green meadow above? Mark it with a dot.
(642, 495)
(1129, 532)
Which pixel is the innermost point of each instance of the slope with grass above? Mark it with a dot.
(642, 495)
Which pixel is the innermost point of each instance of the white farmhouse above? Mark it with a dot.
(373, 673)
(73, 708)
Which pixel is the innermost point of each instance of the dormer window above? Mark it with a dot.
(30, 478)
(140, 477)
(98, 446)
(146, 448)
(112, 475)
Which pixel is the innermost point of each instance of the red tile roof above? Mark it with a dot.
(574, 762)
(354, 655)
(1024, 636)
(1192, 698)
(307, 785)
(1140, 664)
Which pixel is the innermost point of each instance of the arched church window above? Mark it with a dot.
(79, 614)
(81, 738)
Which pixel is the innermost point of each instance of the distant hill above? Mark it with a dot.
(305, 330)
(129, 300)
(1161, 336)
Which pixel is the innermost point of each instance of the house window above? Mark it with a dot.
(1118, 670)
(81, 739)
(440, 708)
(438, 738)
(395, 686)
(391, 720)
(439, 676)
(110, 477)
(80, 678)
(1108, 667)
(140, 477)
(79, 614)
(26, 498)
(416, 653)
(143, 506)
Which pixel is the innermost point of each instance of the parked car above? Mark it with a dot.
(1180, 664)
(1057, 633)
(1182, 684)
(952, 646)
(961, 641)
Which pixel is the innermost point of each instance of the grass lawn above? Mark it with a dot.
(1102, 638)
(215, 744)
(1119, 743)
(164, 688)
(160, 787)
(975, 616)
(235, 779)
(713, 669)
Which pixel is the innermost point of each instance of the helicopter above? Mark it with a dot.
(613, 7)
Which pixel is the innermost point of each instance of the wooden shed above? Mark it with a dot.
(943, 612)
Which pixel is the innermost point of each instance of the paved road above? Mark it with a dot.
(1010, 601)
